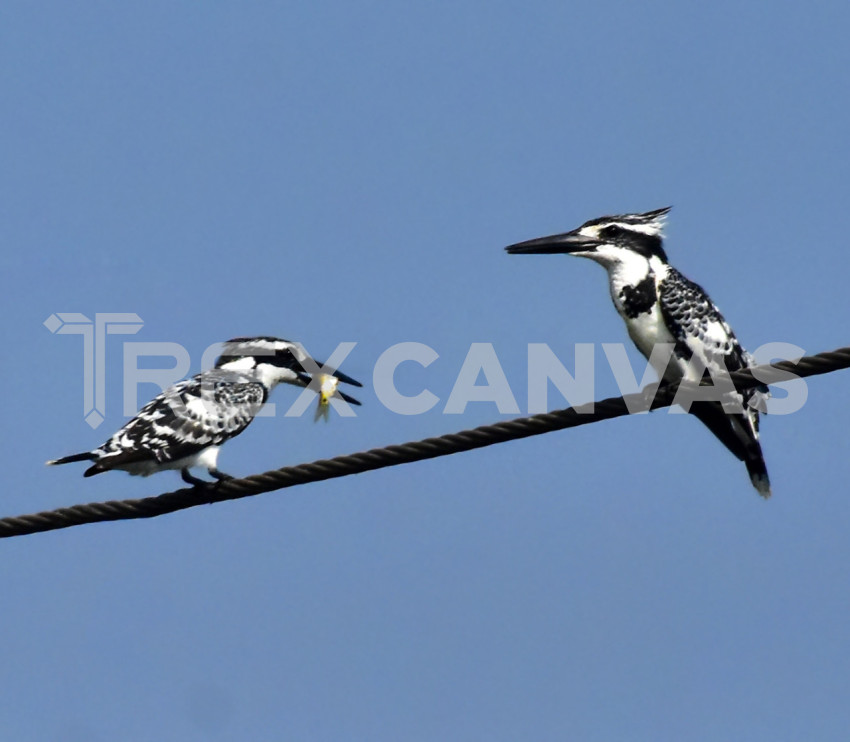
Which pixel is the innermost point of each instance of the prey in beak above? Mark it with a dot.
(326, 385)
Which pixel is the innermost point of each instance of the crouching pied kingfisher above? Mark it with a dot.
(185, 426)
(660, 305)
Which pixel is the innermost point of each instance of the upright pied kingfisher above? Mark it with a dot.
(660, 305)
(185, 425)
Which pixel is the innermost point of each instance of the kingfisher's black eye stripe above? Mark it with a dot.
(645, 244)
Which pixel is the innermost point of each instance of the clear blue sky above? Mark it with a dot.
(336, 171)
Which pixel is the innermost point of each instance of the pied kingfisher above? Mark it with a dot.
(660, 305)
(185, 425)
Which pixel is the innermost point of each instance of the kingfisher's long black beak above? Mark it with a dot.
(345, 378)
(568, 242)
(348, 399)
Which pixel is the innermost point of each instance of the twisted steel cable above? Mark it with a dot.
(651, 398)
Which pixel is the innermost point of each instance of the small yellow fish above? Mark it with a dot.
(327, 388)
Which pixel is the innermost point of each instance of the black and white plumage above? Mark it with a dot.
(184, 426)
(660, 305)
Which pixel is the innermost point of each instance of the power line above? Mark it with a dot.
(405, 453)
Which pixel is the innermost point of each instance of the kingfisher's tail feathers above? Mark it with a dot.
(87, 456)
(736, 433)
(758, 474)
(98, 468)
(714, 417)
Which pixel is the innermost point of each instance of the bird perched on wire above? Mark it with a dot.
(184, 426)
(660, 305)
